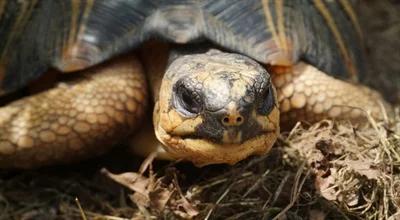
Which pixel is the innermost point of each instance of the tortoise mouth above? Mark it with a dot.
(180, 141)
(203, 152)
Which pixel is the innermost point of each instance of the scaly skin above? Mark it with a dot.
(74, 120)
(308, 94)
(83, 118)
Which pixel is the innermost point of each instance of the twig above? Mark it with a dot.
(295, 191)
(216, 181)
(219, 200)
(278, 190)
(255, 185)
(80, 208)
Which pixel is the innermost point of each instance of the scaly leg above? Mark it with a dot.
(75, 120)
(307, 94)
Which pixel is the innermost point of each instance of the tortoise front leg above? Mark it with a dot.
(307, 94)
(75, 120)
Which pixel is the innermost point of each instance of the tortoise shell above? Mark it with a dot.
(75, 34)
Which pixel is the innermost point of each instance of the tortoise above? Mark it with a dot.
(224, 76)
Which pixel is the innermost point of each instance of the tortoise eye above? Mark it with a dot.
(187, 101)
(266, 101)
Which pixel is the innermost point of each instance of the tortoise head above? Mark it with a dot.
(216, 107)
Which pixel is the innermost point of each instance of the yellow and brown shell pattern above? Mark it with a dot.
(75, 34)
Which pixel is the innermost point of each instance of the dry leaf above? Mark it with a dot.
(159, 197)
(132, 180)
(155, 193)
(363, 168)
(324, 186)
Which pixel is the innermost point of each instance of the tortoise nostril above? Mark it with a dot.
(232, 120)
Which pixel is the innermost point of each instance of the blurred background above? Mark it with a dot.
(381, 22)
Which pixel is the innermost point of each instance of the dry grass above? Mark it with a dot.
(325, 171)
(357, 168)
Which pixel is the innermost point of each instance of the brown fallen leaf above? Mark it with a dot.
(159, 197)
(325, 186)
(135, 182)
(363, 168)
(156, 194)
(190, 210)
(131, 180)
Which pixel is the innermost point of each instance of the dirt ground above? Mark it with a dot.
(325, 171)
